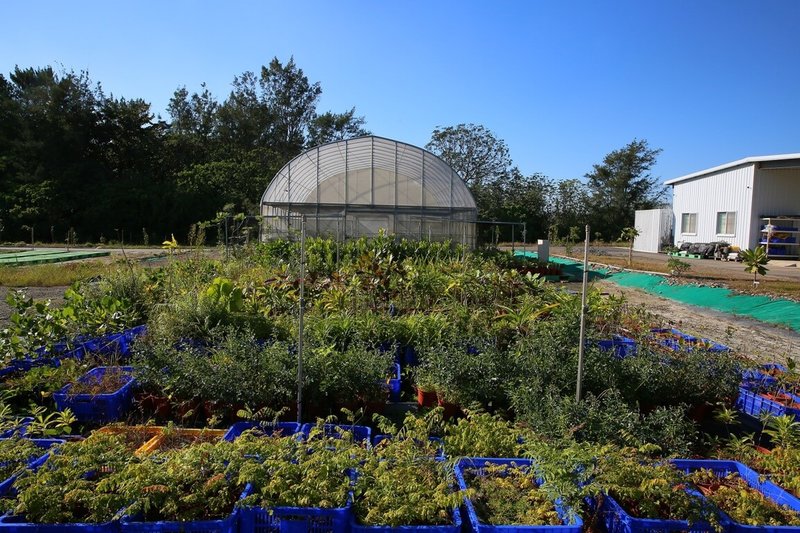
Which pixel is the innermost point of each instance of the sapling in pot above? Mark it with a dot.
(397, 486)
(71, 485)
(741, 502)
(506, 495)
(15, 453)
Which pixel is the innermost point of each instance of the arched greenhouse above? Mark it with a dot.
(357, 187)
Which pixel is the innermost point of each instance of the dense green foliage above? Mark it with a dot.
(79, 165)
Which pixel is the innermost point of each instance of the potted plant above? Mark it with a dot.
(632, 492)
(18, 453)
(69, 488)
(739, 493)
(301, 484)
(397, 487)
(102, 395)
(505, 492)
(192, 488)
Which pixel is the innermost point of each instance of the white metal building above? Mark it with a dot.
(358, 187)
(748, 202)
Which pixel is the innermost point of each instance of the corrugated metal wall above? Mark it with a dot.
(654, 226)
(728, 190)
(776, 192)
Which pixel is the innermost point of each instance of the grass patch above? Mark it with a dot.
(622, 262)
(52, 275)
(768, 287)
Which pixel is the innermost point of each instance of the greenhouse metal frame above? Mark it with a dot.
(359, 187)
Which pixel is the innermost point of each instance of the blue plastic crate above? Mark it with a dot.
(285, 429)
(617, 520)
(98, 408)
(113, 343)
(476, 464)
(767, 488)
(24, 365)
(760, 376)
(294, 519)
(674, 339)
(455, 527)
(752, 403)
(31, 462)
(714, 346)
(229, 524)
(360, 433)
(409, 356)
(9, 522)
(621, 346)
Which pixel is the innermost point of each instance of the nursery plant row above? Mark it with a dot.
(327, 477)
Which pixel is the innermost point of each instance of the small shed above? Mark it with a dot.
(655, 229)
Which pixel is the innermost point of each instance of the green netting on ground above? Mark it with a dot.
(776, 311)
(36, 257)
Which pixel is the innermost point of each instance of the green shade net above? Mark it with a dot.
(763, 308)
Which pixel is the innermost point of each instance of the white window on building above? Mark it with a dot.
(726, 223)
(689, 223)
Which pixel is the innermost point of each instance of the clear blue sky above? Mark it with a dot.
(562, 82)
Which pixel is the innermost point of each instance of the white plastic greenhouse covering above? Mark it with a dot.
(357, 187)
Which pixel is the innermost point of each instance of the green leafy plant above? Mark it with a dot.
(741, 502)
(647, 489)
(629, 235)
(15, 454)
(73, 485)
(307, 474)
(399, 485)
(678, 267)
(783, 466)
(223, 292)
(184, 484)
(783, 431)
(50, 424)
(481, 434)
(508, 495)
(755, 262)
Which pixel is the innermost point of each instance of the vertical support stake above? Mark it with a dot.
(582, 341)
(300, 321)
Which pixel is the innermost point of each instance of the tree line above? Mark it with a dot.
(80, 165)
(606, 198)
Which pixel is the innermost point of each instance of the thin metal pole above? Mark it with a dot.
(338, 236)
(524, 236)
(512, 238)
(300, 325)
(582, 341)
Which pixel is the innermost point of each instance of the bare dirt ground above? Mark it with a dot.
(757, 340)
